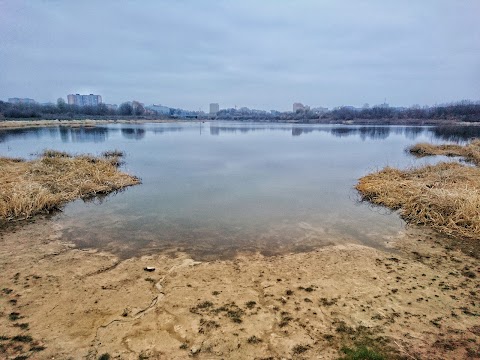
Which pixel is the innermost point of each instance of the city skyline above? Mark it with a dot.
(262, 56)
(213, 108)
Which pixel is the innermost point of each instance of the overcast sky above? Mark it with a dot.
(260, 54)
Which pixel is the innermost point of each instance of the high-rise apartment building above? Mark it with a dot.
(84, 100)
(214, 108)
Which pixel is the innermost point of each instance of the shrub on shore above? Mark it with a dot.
(55, 178)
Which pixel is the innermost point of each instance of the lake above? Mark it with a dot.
(217, 189)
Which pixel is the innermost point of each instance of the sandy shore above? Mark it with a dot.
(419, 301)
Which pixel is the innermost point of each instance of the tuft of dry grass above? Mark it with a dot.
(445, 196)
(471, 151)
(113, 153)
(55, 154)
(55, 178)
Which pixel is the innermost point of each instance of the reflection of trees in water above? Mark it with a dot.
(166, 129)
(65, 133)
(447, 133)
(95, 134)
(370, 132)
(379, 132)
(133, 133)
(413, 132)
(297, 131)
(343, 132)
(365, 132)
(100, 134)
(217, 130)
(26, 134)
(456, 133)
(374, 133)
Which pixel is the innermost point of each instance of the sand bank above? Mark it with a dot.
(419, 301)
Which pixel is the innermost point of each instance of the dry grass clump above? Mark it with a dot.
(471, 151)
(113, 153)
(55, 154)
(42, 185)
(445, 196)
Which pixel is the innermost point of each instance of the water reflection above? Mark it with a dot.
(133, 133)
(364, 132)
(83, 134)
(456, 133)
(7, 135)
(65, 133)
(138, 132)
(166, 129)
(215, 189)
(373, 132)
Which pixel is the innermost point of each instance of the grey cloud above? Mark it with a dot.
(261, 54)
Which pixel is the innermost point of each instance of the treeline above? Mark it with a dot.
(463, 111)
(466, 111)
(63, 110)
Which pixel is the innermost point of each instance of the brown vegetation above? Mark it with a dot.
(471, 151)
(445, 196)
(47, 183)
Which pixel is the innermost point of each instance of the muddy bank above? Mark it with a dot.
(420, 302)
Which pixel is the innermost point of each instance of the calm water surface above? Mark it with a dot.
(219, 188)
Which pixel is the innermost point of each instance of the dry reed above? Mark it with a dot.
(445, 196)
(55, 178)
(471, 151)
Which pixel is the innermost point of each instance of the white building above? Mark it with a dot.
(214, 108)
(84, 100)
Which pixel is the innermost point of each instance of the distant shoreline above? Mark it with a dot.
(16, 124)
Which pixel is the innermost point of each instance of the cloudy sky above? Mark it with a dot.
(260, 54)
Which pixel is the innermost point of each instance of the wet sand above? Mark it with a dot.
(420, 301)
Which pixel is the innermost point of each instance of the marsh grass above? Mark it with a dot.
(445, 196)
(53, 179)
(470, 152)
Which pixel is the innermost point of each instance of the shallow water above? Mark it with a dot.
(219, 188)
